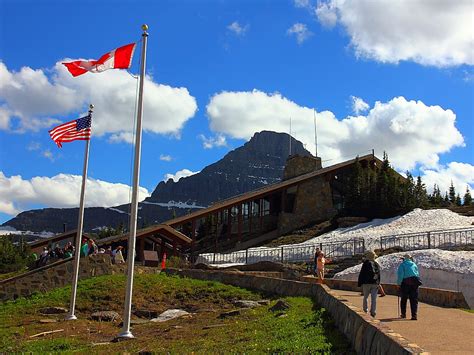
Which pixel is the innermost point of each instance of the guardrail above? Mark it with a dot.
(298, 253)
(444, 239)
(441, 239)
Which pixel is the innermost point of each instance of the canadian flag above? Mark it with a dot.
(120, 58)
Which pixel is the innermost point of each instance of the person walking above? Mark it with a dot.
(369, 280)
(408, 279)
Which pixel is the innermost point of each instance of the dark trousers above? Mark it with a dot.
(409, 292)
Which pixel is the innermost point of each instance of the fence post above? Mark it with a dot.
(246, 256)
(381, 244)
(282, 255)
(363, 245)
(321, 246)
(429, 240)
(354, 253)
(214, 258)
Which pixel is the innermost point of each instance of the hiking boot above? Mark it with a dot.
(414, 318)
(403, 316)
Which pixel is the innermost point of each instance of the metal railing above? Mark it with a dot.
(298, 253)
(443, 239)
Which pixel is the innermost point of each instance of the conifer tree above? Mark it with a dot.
(467, 197)
(458, 200)
(421, 197)
(452, 193)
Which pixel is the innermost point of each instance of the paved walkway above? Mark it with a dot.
(438, 330)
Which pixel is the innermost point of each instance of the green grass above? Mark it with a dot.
(305, 328)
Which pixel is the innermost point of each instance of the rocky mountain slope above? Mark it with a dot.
(257, 163)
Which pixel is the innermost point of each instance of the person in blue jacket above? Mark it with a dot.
(408, 278)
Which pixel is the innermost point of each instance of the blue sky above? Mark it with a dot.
(393, 76)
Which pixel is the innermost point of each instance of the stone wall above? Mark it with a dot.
(297, 165)
(367, 335)
(56, 275)
(313, 203)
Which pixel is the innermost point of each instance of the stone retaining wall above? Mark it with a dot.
(433, 296)
(56, 275)
(367, 335)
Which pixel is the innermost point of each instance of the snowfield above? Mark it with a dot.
(415, 221)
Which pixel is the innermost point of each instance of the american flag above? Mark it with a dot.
(79, 129)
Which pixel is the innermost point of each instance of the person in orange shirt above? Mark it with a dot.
(320, 261)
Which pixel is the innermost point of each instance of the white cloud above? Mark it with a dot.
(237, 28)
(62, 190)
(412, 133)
(461, 174)
(359, 105)
(165, 157)
(179, 174)
(326, 14)
(300, 31)
(166, 109)
(218, 140)
(304, 4)
(436, 33)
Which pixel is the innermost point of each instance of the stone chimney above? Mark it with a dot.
(297, 165)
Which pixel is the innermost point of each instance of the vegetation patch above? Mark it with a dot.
(303, 328)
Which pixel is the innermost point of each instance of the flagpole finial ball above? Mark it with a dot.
(145, 28)
(91, 107)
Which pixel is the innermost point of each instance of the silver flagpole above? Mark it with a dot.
(315, 135)
(125, 333)
(77, 253)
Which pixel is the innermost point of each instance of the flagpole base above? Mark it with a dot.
(126, 335)
(71, 317)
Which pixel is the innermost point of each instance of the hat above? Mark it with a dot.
(370, 255)
(407, 257)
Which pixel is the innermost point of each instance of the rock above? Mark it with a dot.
(232, 313)
(53, 310)
(264, 302)
(145, 313)
(170, 314)
(283, 315)
(105, 316)
(281, 305)
(246, 304)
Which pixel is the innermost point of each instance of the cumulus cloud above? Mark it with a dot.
(63, 190)
(164, 157)
(45, 153)
(412, 133)
(180, 174)
(359, 105)
(435, 33)
(300, 31)
(218, 140)
(304, 4)
(237, 28)
(461, 174)
(166, 108)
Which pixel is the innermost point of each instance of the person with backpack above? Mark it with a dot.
(408, 279)
(369, 280)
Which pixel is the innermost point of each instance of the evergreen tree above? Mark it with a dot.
(452, 193)
(446, 198)
(467, 197)
(458, 200)
(421, 197)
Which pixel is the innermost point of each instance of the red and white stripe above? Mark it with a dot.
(120, 58)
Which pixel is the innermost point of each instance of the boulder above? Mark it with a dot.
(281, 305)
(246, 304)
(232, 313)
(170, 314)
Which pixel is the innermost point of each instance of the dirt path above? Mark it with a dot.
(437, 330)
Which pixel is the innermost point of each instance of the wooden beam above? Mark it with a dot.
(239, 221)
